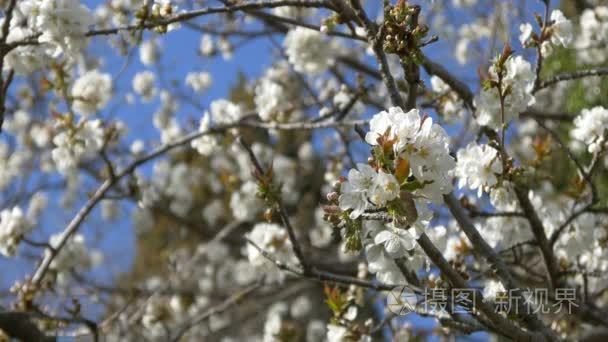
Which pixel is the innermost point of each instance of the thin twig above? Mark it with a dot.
(218, 309)
(295, 245)
(212, 10)
(538, 230)
(483, 248)
(99, 194)
(567, 76)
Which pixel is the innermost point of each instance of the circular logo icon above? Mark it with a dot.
(401, 300)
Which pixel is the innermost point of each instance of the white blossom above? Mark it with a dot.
(477, 167)
(137, 147)
(149, 52)
(321, 235)
(206, 47)
(225, 48)
(38, 203)
(13, 227)
(63, 23)
(354, 192)
(144, 85)
(519, 79)
(269, 102)
(274, 322)
(469, 33)
(73, 145)
(383, 265)
(422, 142)
(315, 331)
(277, 95)
(74, 256)
(308, 51)
(492, 289)
(464, 3)
(245, 203)
(273, 239)
(561, 29)
(336, 333)
(396, 241)
(28, 58)
(207, 143)
(213, 212)
(294, 12)
(526, 33)
(198, 81)
(91, 92)
(384, 188)
(225, 112)
(451, 106)
(591, 128)
(301, 307)
(591, 45)
(155, 312)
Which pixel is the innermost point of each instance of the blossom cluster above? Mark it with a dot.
(61, 25)
(506, 92)
(419, 141)
(74, 144)
(221, 112)
(410, 167)
(204, 271)
(91, 92)
(559, 32)
(307, 51)
(274, 240)
(477, 167)
(144, 85)
(591, 128)
(13, 227)
(75, 256)
(592, 43)
(276, 96)
(450, 105)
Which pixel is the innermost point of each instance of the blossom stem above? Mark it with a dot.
(295, 245)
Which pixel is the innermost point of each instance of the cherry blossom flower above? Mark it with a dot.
(561, 29)
(591, 128)
(519, 79)
(273, 239)
(198, 81)
(307, 50)
(91, 92)
(144, 85)
(73, 145)
(477, 167)
(354, 192)
(13, 227)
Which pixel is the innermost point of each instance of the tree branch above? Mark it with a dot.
(503, 325)
(482, 247)
(295, 245)
(539, 234)
(458, 86)
(99, 194)
(570, 76)
(19, 325)
(212, 10)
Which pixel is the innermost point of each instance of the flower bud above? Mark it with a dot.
(332, 196)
